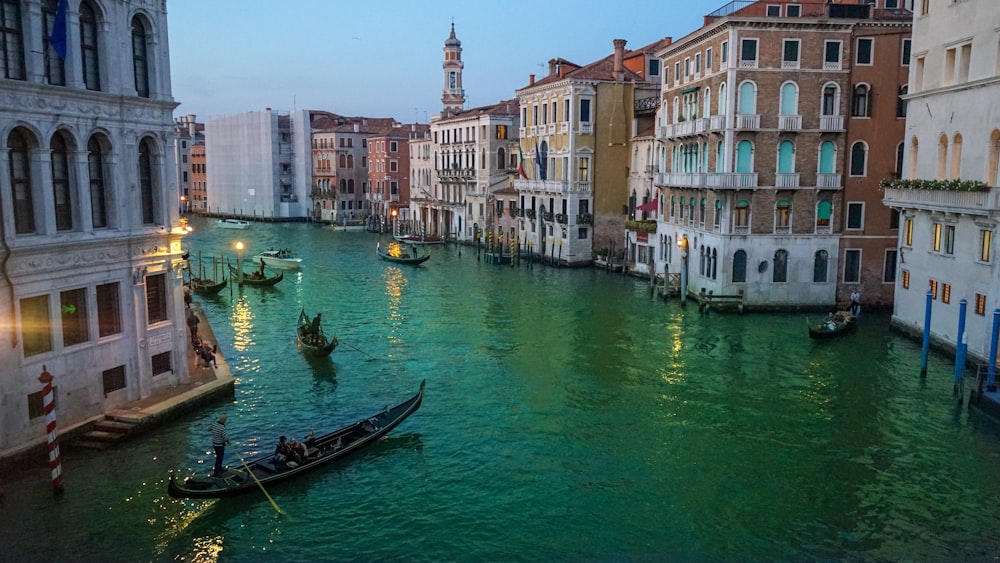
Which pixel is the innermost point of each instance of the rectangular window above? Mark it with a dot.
(654, 67)
(773, 11)
(748, 53)
(980, 305)
(161, 363)
(114, 379)
(855, 215)
(584, 111)
(724, 53)
(946, 293)
(906, 279)
(889, 270)
(934, 289)
(950, 56)
(393, 146)
(687, 67)
(582, 232)
(36, 402)
(36, 331)
(985, 245)
(790, 54)
(906, 52)
(156, 298)
(852, 266)
(501, 132)
(583, 174)
(74, 316)
(708, 60)
(793, 10)
(831, 54)
(393, 187)
(677, 72)
(393, 166)
(936, 238)
(863, 56)
(908, 232)
(949, 239)
(965, 57)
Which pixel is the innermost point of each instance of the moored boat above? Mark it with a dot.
(233, 224)
(320, 450)
(283, 258)
(207, 287)
(397, 253)
(419, 239)
(833, 325)
(310, 337)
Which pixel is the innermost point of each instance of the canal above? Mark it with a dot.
(568, 416)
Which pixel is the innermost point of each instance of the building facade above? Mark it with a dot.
(948, 197)
(260, 164)
(754, 150)
(198, 200)
(188, 133)
(389, 171)
(90, 282)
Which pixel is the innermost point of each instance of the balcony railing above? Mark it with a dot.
(972, 203)
(583, 187)
(831, 65)
(584, 219)
(717, 122)
(748, 121)
(741, 230)
(587, 128)
(786, 180)
(547, 186)
(783, 230)
(790, 122)
(561, 218)
(824, 229)
(831, 123)
(732, 181)
(828, 181)
(685, 180)
(666, 131)
(684, 128)
(547, 216)
(564, 127)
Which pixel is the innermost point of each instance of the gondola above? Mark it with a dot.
(419, 239)
(253, 279)
(313, 342)
(207, 287)
(832, 326)
(399, 255)
(320, 451)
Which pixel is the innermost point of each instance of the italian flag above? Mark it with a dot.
(520, 162)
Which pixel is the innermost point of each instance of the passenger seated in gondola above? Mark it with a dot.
(298, 449)
(285, 453)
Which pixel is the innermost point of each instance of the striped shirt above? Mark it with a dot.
(219, 434)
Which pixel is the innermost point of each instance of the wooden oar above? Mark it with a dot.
(356, 348)
(259, 484)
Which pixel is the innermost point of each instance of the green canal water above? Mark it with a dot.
(568, 416)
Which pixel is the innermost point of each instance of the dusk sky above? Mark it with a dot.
(384, 59)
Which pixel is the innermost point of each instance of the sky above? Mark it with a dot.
(383, 59)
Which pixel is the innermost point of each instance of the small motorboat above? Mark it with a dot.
(283, 258)
(233, 224)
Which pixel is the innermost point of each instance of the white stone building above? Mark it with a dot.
(947, 238)
(90, 240)
(260, 164)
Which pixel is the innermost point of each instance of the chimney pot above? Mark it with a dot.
(531, 80)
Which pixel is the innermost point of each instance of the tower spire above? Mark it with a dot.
(452, 95)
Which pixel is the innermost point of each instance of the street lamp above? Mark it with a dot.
(394, 212)
(239, 262)
(682, 243)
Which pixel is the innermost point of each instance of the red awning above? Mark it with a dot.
(648, 206)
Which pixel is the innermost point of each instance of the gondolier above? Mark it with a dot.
(220, 437)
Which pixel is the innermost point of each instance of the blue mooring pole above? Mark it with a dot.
(991, 385)
(927, 333)
(960, 348)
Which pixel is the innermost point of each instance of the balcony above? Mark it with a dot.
(666, 131)
(585, 219)
(949, 201)
(717, 123)
(684, 128)
(831, 123)
(547, 216)
(552, 129)
(731, 181)
(564, 127)
(533, 130)
(544, 186)
(831, 65)
(701, 125)
(783, 230)
(684, 180)
(786, 180)
(828, 181)
(790, 122)
(561, 218)
(748, 121)
(748, 64)
(741, 230)
(789, 65)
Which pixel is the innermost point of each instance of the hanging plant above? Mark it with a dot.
(957, 185)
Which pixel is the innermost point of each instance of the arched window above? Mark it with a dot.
(744, 157)
(827, 157)
(97, 154)
(831, 103)
(715, 263)
(942, 157)
(147, 183)
(350, 185)
(677, 110)
(901, 101)
(824, 211)
(740, 266)
(820, 264)
(350, 161)
(722, 99)
(789, 99)
(707, 103)
(748, 99)
(859, 159)
(19, 168)
(783, 216)
(702, 211)
(62, 191)
(342, 161)
(899, 160)
(89, 46)
(343, 186)
(702, 260)
(717, 220)
(860, 104)
(720, 157)
(501, 158)
(140, 62)
(780, 271)
(786, 157)
(673, 206)
(956, 157)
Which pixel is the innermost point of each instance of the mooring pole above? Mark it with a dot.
(991, 385)
(49, 406)
(960, 347)
(927, 333)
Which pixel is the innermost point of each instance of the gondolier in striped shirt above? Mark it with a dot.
(220, 437)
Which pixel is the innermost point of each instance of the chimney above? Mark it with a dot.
(192, 125)
(619, 69)
(552, 67)
(531, 80)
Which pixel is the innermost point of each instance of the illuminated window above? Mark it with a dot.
(934, 289)
(936, 238)
(985, 245)
(908, 232)
(74, 316)
(980, 306)
(906, 279)
(36, 334)
(946, 293)
(156, 298)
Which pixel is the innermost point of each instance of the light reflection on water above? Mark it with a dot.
(568, 416)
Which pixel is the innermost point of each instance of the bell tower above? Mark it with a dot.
(452, 96)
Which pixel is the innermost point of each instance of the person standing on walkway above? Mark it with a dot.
(220, 437)
(192, 322)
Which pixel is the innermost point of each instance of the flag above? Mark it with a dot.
(539, 162)
(520, 163)
(58, 37)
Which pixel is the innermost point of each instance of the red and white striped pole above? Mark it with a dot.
(49, 403)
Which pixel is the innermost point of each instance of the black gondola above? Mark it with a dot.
(320, 451)
(398, 255)
(255, 278)
(834, 325)
(311, 339)
(207, 287)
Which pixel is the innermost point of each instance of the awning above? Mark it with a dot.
(689, 90)
(648, 206)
